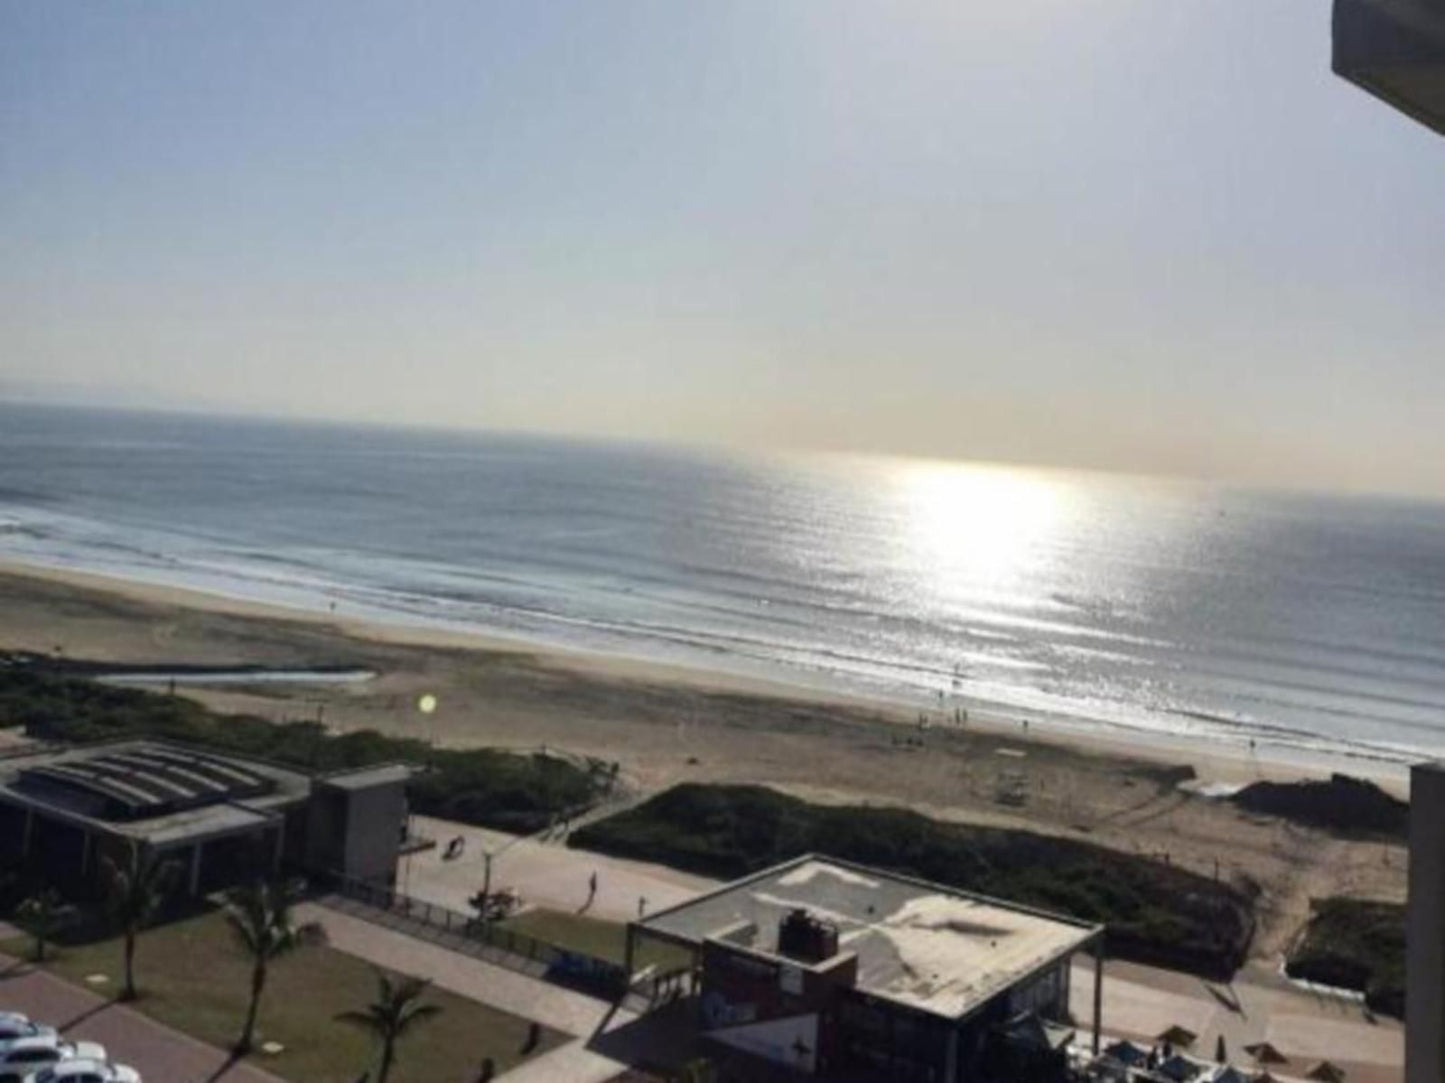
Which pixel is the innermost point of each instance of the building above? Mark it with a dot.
(226, 818)
(834, 968)
(1425, 928)
(1395, 49)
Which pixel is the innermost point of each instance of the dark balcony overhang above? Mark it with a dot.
(1395, 49)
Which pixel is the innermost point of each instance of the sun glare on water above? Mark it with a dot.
(982, 526)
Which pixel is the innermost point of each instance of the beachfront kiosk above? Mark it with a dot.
(831, 968)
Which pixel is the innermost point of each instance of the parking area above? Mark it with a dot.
(160, 1054)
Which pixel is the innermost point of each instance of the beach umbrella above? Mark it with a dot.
(1264, 1053)
(1326, 1072)
(1179, 1069)
(1127, 1053)
(1177, 1035)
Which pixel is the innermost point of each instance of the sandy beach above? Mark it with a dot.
(665, 724)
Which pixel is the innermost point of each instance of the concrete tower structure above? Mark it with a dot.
(1425, 928)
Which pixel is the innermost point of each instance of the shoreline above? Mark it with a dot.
(1215, 760)
(664, 725)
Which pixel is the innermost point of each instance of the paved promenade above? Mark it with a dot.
(543, 873)
(160, 1054)
(1141, 1002)
(589, 1020)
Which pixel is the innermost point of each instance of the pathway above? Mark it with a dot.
(1141, 1002)
(546, 875)
(608, 1039)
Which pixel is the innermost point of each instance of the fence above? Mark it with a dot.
(507, 947)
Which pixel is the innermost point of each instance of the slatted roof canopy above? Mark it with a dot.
(149, 780)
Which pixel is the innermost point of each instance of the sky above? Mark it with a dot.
(1116, 234)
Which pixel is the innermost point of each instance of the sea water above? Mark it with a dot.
(1128, 602)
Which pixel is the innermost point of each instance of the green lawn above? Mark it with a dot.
(595, 936)
(192, 977)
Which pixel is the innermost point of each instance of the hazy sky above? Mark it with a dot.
(1121, 233)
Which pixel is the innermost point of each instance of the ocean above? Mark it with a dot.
(1122, 602)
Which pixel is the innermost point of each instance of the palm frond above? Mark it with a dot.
(363, 1020)
(416, 1013)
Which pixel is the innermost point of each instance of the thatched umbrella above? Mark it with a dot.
(1177, 1035)
(1264, 1053)
(1326, 1072)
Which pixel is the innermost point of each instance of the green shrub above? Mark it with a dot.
(1355, 944)
(1342, 805)
(492, 787)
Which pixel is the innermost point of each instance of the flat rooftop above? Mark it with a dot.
(929, 947)
(362, 778)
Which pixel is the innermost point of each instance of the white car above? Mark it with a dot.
(14, 1025)
(85, 1070)
(25, 1056)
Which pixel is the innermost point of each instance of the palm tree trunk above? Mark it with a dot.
(258, 983)
(388, 1054)
(129, 992)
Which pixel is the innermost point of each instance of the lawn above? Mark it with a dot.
(596, 937)
(192, 977)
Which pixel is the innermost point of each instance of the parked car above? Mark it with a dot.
(25, 1056)
(14, 1025)
(85, 1070)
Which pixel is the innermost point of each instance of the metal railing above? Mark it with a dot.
(504, 946)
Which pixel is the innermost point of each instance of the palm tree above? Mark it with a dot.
(134, 892)
(260, 918)
(391, 1015)
(44, 913)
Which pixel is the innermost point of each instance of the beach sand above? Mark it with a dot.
(665, 724)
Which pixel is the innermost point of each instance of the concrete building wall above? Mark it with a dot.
(1425, 929)
(326, 830)
(374, 820)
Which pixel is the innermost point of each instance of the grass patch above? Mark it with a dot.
(486, 786)
(1355, 944)
(192, 977)
(1155, 913)
(597, 937)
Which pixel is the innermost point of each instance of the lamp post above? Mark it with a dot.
(426, 704)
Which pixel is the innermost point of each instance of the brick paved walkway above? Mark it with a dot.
(160, 1054)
